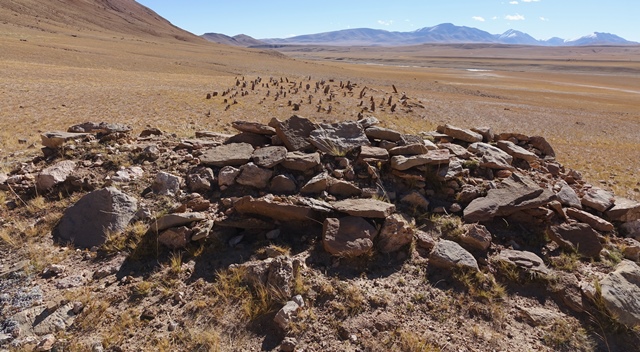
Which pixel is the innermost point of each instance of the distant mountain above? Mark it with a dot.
(237, 40)
(442, 33)
(516, 37)
(598, 38)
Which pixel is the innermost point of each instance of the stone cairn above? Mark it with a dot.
(355, 186)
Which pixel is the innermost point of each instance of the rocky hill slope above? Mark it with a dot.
(308, 236)
(95, 17)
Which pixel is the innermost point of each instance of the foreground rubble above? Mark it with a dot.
(475, 207)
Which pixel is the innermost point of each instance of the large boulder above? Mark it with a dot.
(348, 237)
(449, 255)
(621, 293)
(55, 174)
(269, 156)
(432, 157)
(337, 139)
(577, 237)
(96, 215)
(513, 194)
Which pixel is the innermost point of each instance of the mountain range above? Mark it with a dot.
(445, 33)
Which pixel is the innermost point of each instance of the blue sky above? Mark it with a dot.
(542, 19)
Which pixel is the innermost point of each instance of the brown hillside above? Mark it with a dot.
(97, 17)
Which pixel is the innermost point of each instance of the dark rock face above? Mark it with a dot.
(88, 222)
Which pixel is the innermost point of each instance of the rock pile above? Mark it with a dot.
(368, 186)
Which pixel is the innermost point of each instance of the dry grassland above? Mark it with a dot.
(584, 100)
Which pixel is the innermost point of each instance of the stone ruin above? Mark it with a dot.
(353, 185)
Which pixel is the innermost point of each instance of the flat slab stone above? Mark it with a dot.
(462, 134)
(269, 156)
(368, 153)
(234, 154)
(99, 127)
(590, 219)
(433, 157)
(56, 139)
(175, 220)
(383, 133)
(366, 208)
(457, 150)
(513, 194)
(516, 151)
(281, 211)
(253, 127)
(337, 139)
(410, 149)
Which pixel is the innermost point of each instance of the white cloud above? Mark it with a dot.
(544, 19)
(516, 17)
(478, 18)
(494, 18)
(513, 2)
(385, 23)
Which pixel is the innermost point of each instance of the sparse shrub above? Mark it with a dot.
(566, 261)
(565, 335)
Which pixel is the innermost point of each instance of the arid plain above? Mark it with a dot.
(584, 99)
